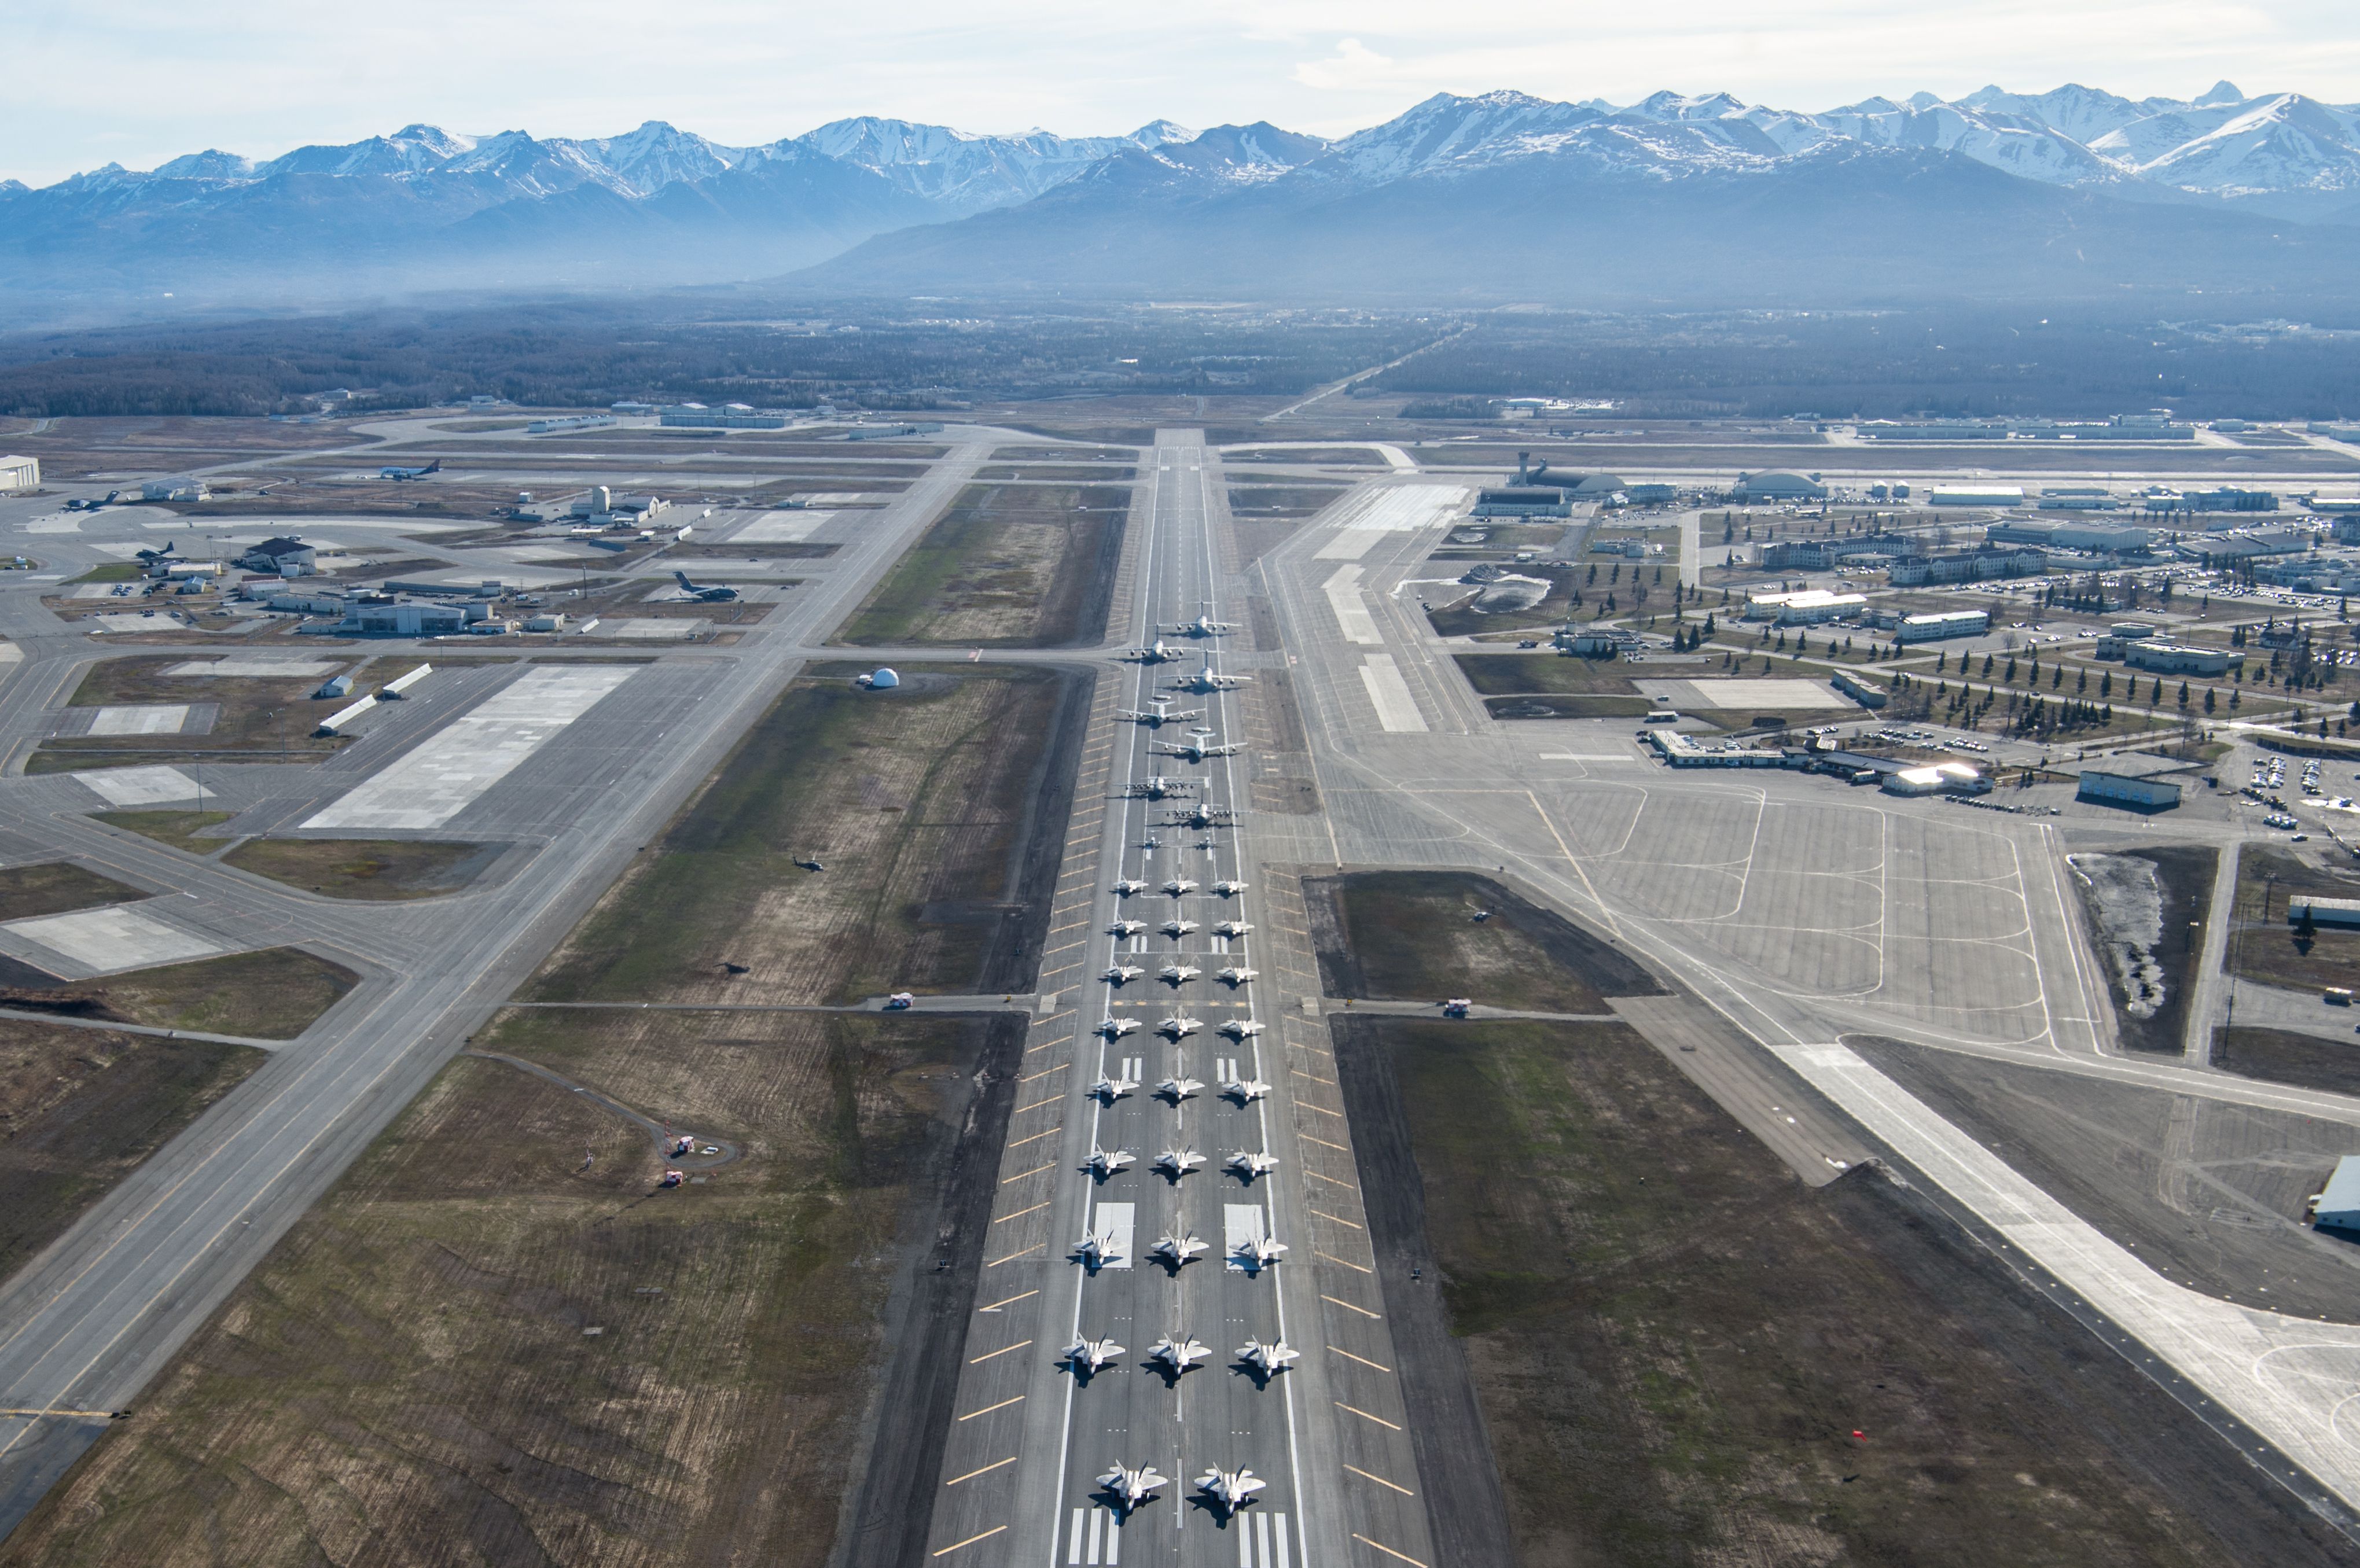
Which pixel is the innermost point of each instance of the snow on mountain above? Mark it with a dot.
(2278, 145)
(970, 173)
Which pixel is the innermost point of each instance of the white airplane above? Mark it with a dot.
(1180, 974)
(1115, 1029)
(1177, 1250)
(1130, 1488)
(1246, 1091)
(434, 467)
(1177, 929)
(1179, 887)
(1234, 975)
(1232, 1490)
(1257, 1253)
(1103, 1163)
(1157, 717)
(1178, 1025)
(1195, 750)
(1232, 928)
(1087, 1356)
(1112, 1087)
(1127, 886)
(1249, 1166)
(1126, 928)
(1268, 1360)
(1201, 817)
(1156, 652)
(1177, 1089)
(1177, 1162)
(1157, 788)
(1203, 626)
(1120, 973)
(1179, 1355)
(1242, 1028)
(1097, 1249)
(1205, 682)
(1228, 886)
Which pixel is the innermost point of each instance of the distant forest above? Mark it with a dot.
(1887, 364)
(593, 354)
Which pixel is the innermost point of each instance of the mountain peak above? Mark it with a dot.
(2223, 92)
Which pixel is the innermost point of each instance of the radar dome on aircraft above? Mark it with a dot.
(884, 681)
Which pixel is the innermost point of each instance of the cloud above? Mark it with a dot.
(1354, 67)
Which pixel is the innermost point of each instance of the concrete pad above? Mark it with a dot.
(1241, 1224)
(133, 621)
(1759, 694)
(119, 550)
(1343, 590)
(94, 591)
(258, 666)
(782, 528)
(54, 525)
(1121, 1219)
(1399, 510)
(843, 497)
(654, 629)
(452, 770)
(139, 786)
(140, 718)
(116, 936)
(1396, 709)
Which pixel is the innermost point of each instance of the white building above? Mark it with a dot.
(1976, 495)
(1949, 623)
(1806, 606)
(20, 474)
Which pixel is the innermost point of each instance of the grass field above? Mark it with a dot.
(181, 830)
(1412, 936)
(1674, 1341)
(260, 720)
(80, 1107)
(1516, 674)
(2262, 946)
(1453, 616)
(2282, 1056)
(273, 993)
(55, 887)
(1008, 566)
(366, 868)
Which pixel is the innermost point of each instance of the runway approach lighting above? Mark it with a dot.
(1127, 886)
(1256, 1252)
(1229, 886)
(1119, 972)
(1179, 1355)
(1235, 977)
(1245, 1091)
(1204, 681)
(1097, 1249)
(1178, 1249)
(1129, 1487)
(1179, 1024)
(1242, 1028)
(1203, 626)
(1126, 928)
(1176, 1089)
(1180, 974)
(1251, 1165)
(1232, 1490)
(1112, 1087)
(1268, 1360)
(1103, 1163)
(1177, 1162)
(1087, 1355)
(1179, 887)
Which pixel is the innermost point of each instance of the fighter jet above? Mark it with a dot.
(1103, 1163)
(1232, 928)
(1235, 976)
(1230, 1489)
(393, 472)
(1203, 625)
(1256, 1252)
(1156, 652)
(1177, 1162)
(1156, 788)
(1201, 817)
(1267, 1360)
(1230, 886)
(1127, 886)
(1097, 1249)
(1179, 887)
(1179, 1355)
(1178, 1025)
(1113, 1087)
(1115, 1029)
(1178, 1250)
(1176, 1089)
(1179, 974)
(1129, 1487)
(1195, 750)
(1246, 1091)
(708, 595)
(1205, 682)
(1177, 929)
(1157, 717)
(1119, 972)
(1242, 1028)
(1089, 1356)
(1249, 1166)
(1126, 928)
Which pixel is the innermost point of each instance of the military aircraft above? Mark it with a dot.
(1115, 1029)
(1228, 886)
(1176, 929)
(1256, 1252)
(1177, 1162)
(1158, 715)
(1246, 1091)
(1179, 1355)
(1268, 1360)
(1126, 928)
(1120, 973)
(1179, 887)
(1155, 652)
(1103, 1163)
(1201, 817)
(1176, 1089)
(1127, 886)
(1249, 1166)
(1195, 750)
(1128, 1487)
(1156, 788)
(1232, 928)
(706, 595)
(1179, 974)
(1178, 1025)
(1112, 1087)
(1231, 1490)
(1097, 1249)
(395, 472)
(1236, 976)
(1087, 1356)
(1176, 1250)
(1205, 682)
(1242, 1028)
(1203, 625)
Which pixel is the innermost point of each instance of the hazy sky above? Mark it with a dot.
(135, 81)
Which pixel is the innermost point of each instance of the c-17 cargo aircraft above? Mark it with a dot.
(707, 595)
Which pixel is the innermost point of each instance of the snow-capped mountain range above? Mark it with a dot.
(660, 204)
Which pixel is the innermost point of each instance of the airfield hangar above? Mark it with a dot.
(1779, 484)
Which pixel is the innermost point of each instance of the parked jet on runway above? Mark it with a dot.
(1176, 929)
(1203, 625)
(1176, 1089)
(1156, 788)
(1176, 1250)
(1202, 817)
(1235, 977)
(1115, 1029)
(1157, 717)
(1097, 1249)
(1126, 928)
(1232, 1490)
(1154, 653)
(1103, 1163)
(1112, 1087)
(1232, 928)
(1246, 1091)
(395, 472)
(1179, 1355)
(1179, 974)
(708, 595)
(1229, 887)
(1178, 1025)
(1179, 887)
(1205, 682)
(1177, 1162)
(1256, 1252)
(1242, 1028)
(1087, 1356)
(1268, 1360)
(1120, 973)
(1195, 750)
(1128, 1487)
(1127, 886)
(1249, 1166)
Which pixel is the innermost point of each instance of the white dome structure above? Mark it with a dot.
(884, 681)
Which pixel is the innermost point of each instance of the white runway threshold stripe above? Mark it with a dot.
(1398, 511)
(1122, 1220)
(1396, 709)
(450, 772)
(1343, 591)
